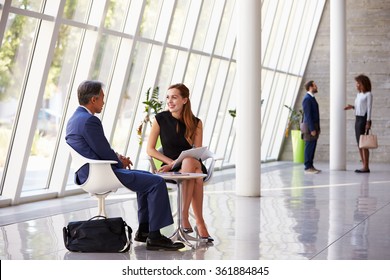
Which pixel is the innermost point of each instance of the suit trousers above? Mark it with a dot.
(152, 197)
(310, 149)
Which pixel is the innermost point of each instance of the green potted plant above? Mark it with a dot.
(293, 126)
(152, 106)
(232, 113)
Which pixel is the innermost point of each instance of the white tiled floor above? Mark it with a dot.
(333, 215)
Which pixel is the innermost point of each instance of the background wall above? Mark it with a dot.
(368, 52)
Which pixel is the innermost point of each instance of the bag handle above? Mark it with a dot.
(82, 224)
(128, 243)
(367, 131)
(65, 235)
(97, 217)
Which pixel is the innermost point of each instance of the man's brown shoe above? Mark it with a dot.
(311, 170)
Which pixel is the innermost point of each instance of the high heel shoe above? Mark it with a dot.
(206, 239)
(188, 230)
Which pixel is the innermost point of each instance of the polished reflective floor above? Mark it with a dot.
(333, 215)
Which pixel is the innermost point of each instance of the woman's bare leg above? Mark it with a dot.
(361, 155)
(187, 193)
(194, 196)
(366, 156)
(189, 165)
(197, 206)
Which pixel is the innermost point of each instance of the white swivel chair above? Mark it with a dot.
(101, 179)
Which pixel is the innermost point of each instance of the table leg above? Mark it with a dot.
(179, 234)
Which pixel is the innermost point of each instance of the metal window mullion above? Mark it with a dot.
(304, 61)
(127, 77)
(209, 67)
(230, 96)
(295, 45)
(164, 46)
(4, 19)
(62, 172)
(283, 41)
(274, 129)
(224, 84)
(210, 55)
(219, 139)
(3, 25)
(14, 188)
(114, 117)
(31, 14)
(99, 33)
(190, 49)
(61, 147)
(140, 87)
(266, 48)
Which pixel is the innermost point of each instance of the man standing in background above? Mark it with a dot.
(310, 128)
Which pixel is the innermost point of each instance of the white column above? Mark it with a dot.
(248, 158)
(337, 131)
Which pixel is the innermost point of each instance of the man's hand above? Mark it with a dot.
(313, 133)
(125, 161)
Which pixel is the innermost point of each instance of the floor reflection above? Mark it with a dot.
(332, 215)
(97, 256)
(365, 206)
(307, 218)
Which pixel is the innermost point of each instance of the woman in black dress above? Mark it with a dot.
(180, 130)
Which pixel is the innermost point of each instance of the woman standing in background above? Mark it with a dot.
(363, 111)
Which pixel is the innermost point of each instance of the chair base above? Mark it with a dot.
(180, 235)
(101, 203)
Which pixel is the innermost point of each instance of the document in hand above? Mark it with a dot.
(198, 153)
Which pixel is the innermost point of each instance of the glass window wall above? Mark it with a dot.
(132, 46)
(15, 52)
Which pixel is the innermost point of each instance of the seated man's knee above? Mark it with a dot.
(161, 180)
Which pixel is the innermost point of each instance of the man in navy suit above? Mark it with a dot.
(84, 133)
(311, 126)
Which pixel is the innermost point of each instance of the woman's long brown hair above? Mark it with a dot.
(187, 117)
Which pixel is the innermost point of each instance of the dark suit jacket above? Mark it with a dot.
(85, 134)
(311, 117)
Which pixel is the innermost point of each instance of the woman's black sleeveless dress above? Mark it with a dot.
(172, 139)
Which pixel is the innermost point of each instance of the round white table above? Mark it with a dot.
(179, 234)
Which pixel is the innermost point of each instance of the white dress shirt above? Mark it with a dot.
(363, 104)
(86, 109)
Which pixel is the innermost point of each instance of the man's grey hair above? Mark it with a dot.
(87, 90)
